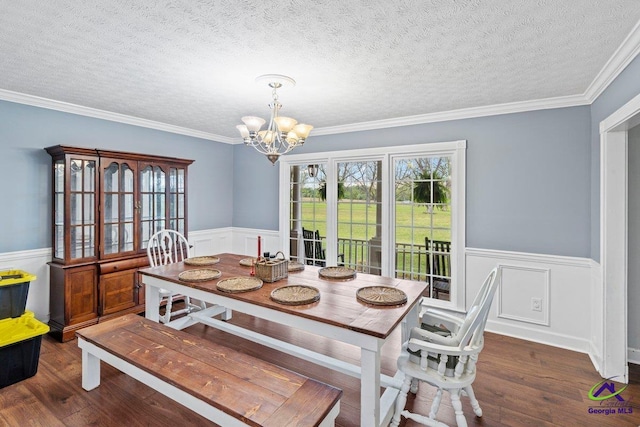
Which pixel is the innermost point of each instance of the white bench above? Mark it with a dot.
(223, 385)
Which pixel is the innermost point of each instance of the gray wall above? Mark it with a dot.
(255, 190)
(532, 178)
(619, 92)
(634, 238)
(528, 178)
(25, 198)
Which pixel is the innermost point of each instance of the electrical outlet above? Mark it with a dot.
(536, 304)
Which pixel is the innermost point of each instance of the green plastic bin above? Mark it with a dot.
(14, 288)
(20, 341)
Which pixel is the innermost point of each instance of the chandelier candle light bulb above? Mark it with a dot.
(282, 134)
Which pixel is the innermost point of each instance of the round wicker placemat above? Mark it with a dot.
(239, 284)
(381, 295)
(295, 266)
(202, 260)
(295, 295)
(247, 262)
(200, 275)
(337, 273)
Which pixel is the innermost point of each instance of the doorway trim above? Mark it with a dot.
(613, 238)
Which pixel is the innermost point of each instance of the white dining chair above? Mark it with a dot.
(167, 247)
(443, 353)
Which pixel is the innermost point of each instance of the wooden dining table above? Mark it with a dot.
(337, 315)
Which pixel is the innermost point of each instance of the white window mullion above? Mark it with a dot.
(332, 212)
(458, 231)
(285, 191)
(388, 218)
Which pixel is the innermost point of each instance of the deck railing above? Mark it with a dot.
(411, 260)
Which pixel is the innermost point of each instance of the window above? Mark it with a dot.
(396, 211)
(422, 187)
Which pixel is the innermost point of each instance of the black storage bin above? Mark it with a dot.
(20, 341)
(14, 288)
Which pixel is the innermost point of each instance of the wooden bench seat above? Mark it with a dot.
(223, 385)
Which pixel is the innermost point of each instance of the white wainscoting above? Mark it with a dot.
(33, 262)
(245, 241)
(562, 286)
(523, 294)
(569, 289)
(209, 242)
(242, 241)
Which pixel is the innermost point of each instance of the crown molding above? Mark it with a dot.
(66, 107)
(464, 113)
(624, 54)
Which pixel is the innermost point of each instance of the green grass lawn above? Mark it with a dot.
(356, 225)
(357, 221)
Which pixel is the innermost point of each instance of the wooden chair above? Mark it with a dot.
(443, 353)
(166, 247)
(439, 251)
(313, 252)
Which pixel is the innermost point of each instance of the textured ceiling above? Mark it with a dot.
(192, 63)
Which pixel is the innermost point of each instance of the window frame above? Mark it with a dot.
(456, 150)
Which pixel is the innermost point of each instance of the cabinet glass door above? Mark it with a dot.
(176, 199)
(82, 208)
(153, 212)
(118, 208)
(58, 209)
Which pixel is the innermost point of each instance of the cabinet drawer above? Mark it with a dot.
(126, 264)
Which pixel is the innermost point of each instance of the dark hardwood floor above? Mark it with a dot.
(519, 383)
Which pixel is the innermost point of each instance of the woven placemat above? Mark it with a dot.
(295, 295)
(239, 284)
(295, 266)
(202, 260)
(247, 262)
(381, 295)
(199, 275)
(337, 273)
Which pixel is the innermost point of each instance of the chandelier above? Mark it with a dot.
(283, 134)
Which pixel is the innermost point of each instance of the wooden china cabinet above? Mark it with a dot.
(106, 206)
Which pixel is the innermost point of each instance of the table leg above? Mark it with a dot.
(152, 303)
(90, 371)
(370, 388)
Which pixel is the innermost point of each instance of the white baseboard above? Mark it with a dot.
(553, 339)
(634, 355)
